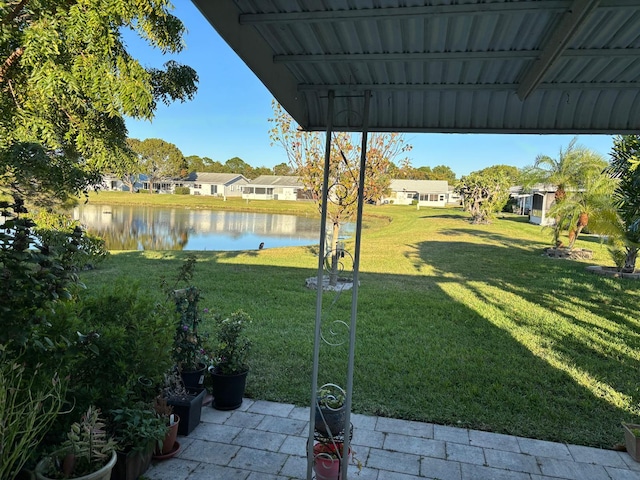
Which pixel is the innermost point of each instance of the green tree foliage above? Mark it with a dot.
(590, 205)
(237, 165)
(573, 173)
(158, 160)
(568, 171)
(442, 172)
(407, 172)
(68, 81)
(485, 192)
(625, 167)
(204, 164)
(283, 169)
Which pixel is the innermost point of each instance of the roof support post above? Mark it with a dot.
(356, 281)
(321, 253)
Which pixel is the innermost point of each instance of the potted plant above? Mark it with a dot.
(169, 446)
(632, 440)
(189, 345)
(88, 453)
(187, 404)
(230, 362)
(138, 431)
(30, 404)
(330, 410)
(189, 350)
(327, 459)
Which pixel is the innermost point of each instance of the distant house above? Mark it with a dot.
(453, 196)
(273, 187)
(535, 202)
(115, 183)
(428, 193)
(216, 184)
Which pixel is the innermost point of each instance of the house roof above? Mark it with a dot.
(277, 181)
(215, 178)
(525, 66)
(420, 186)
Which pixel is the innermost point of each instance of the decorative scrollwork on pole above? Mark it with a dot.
(343, 259)
(332, 340)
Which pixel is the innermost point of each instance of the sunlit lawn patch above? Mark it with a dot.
(457, 324)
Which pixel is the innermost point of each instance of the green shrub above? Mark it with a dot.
(181, 190)
(35, 276)
(125, 346)
(137, 429)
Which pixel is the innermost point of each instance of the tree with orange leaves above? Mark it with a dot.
(306, 152)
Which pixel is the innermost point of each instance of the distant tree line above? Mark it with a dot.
(159, 160)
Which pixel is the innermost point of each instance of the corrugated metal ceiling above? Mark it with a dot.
(545, 66)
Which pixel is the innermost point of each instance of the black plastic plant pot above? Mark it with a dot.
(189, 409)
(228, 390)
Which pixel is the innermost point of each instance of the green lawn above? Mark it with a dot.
(457, 324)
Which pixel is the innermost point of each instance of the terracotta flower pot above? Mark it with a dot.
(326, 461)
(170, 439)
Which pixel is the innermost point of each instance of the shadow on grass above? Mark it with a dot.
(496, 337)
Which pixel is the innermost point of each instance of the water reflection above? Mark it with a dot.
(153, 228)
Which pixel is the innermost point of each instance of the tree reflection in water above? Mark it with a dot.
(152, 228)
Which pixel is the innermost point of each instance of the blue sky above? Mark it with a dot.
(229, 115)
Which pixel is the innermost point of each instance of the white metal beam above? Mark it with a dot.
(557, 42)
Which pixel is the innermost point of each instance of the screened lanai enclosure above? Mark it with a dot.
(545, 66)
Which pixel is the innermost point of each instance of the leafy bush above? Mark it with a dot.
(138, 428)
(232, 348)
(125, 346)
(35, 276)
(181, 190)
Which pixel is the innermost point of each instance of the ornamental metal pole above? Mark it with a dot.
(356, 281)
(320, 280)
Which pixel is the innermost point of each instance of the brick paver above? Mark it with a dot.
(267, 441)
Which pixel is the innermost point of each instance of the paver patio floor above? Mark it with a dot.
(267, 441)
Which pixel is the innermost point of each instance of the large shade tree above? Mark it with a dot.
(68, 82)
(306, 154)
(158, 160)
(485, 192)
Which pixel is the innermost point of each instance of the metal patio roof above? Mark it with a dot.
(543, 66)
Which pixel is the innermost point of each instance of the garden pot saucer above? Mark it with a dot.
(171, 453)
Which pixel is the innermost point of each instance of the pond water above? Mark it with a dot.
(154, 228)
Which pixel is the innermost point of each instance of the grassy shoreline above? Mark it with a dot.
(457, 324)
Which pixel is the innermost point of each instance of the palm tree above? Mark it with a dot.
(625, 167)
(575, 171)
(569, 170)
(590, 205)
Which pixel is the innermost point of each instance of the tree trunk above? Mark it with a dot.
(583, 221)
(630, 260)
(335, 255)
